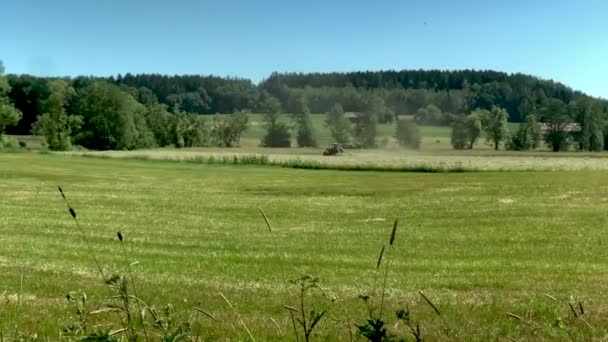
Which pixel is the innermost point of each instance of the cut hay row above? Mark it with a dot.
(365, 161)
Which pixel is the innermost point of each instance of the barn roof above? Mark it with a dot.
(565, 127)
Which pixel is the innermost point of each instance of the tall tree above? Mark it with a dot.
(55, 124)
(338, 125)
(366, 122)
(528, 135)
(556, 119)
(300, 114)
(408, 134)
(465, 131)
(112, 119)
(161, 123)
(297, 103)
(305, 135)
(494, 124)
(269, 104)
(227, 129)
(429, 115)
(591, 137)
(9, 115)
(277, 132)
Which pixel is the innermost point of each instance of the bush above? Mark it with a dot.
(459, 137)
(338, 125)
(277, 132)
(429, 115)
(7, 142)
(407, 134)
(305, 134)
(365, 130)
(277, 136)
(465, 131)
(226, 130)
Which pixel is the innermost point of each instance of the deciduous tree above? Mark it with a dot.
(55, 124)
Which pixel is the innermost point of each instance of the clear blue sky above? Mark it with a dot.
(562, 40)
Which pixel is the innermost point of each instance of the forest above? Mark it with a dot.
(146, 110)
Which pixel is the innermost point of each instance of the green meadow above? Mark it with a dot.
(501, 255)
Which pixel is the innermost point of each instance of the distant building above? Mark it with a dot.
(352, 116)
(565, 127)
(405, 117)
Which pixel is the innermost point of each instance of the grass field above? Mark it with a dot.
(479, 245)
(385, 132)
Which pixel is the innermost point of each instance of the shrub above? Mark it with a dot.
(227, 129)
(338, 125)
(305, 135)
(7, 142)
(429, 115)
(277, 132)
(465, 131)
(407, 134)
(277, 136)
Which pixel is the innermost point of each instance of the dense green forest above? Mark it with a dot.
(134, 111)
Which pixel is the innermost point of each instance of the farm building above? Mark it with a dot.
(566, 127)
(404, 117)
(351, 116)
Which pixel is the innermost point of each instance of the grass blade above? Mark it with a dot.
(380, 257)
(265, 219)
(393, 233)
(428, 301)
(238, 317)
(276, 325)
(82, 234)
(205, 313)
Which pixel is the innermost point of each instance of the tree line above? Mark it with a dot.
(147, 110)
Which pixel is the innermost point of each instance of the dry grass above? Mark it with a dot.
(377, 159)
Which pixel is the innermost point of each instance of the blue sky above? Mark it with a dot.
(562, 40)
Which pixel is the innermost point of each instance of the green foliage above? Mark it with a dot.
(429, 115)
(189, 130)
(9, 143)
(297, 104)
(306, 315)
(406, 91)
(227, 129)
(387, 116)
(305, 135)
(466, 130)
(528, 135)
(277, 132)
(365, 130)
(113, 119)
(161, 124)
(55, 124)
(339, 126)
(605, 131)
(365, 125)
(9, 115)
(402, 92)
(494, 124)
(408, 134)
(269, 104)
(591, 136)
(555, 116)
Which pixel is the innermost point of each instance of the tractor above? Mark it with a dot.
(334, 150)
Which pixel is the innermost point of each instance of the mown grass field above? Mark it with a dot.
(385, 132)
(479, 245)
